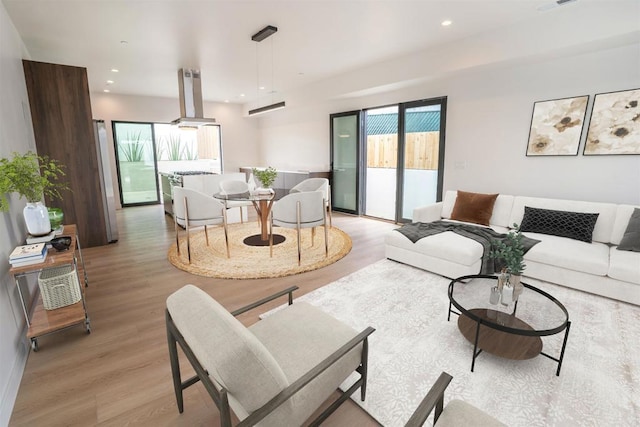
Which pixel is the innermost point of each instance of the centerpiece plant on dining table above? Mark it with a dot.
(266, 176)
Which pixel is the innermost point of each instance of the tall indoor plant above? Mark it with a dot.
(31, 176)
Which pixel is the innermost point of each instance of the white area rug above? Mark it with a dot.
(599, 384)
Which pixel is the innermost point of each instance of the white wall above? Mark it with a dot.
(488, 119)
(239, 134)
(16, 134)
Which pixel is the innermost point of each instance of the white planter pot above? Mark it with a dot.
(36, 217)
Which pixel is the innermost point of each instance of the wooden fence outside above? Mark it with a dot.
(421, 151)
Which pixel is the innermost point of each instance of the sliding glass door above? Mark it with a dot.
(145, 149)
(381, 147)
(395, 164)
(345, 155)
(422, 155)
(136, 161)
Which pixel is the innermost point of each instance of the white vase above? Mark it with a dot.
(36, 217)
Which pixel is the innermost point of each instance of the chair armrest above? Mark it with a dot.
(297, 385)
(266, 300)
(434, 398)
(428, 213)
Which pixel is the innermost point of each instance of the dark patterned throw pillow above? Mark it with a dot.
(631, 239)
(573, 225)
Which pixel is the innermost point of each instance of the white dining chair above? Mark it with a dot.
(231, 187)
(192, 208)
(300, 210)
(316, 184)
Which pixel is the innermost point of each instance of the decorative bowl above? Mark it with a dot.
(55, 217)
(61, 243)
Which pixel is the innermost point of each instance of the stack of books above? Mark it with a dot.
(28, 254)
(46, 238)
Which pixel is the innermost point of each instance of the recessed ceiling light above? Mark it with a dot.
(109, 82)
(242, 94)
(106, 90)
(226, 100)
(115, 70)
(446, 23)
(261, 87)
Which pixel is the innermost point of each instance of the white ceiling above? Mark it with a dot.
(316, 39)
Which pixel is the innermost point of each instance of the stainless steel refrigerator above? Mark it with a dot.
(106, 180)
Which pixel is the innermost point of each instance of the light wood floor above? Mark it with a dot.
(119, 374)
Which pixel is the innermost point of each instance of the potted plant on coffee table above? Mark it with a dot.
(510, 254)
(32, 176)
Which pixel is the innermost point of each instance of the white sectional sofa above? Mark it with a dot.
(596, 267)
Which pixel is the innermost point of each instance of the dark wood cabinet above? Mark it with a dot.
(63, 129)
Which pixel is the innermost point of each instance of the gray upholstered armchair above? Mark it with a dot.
(277, 372)
(455, 414)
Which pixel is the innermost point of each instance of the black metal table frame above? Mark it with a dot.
(566, 326)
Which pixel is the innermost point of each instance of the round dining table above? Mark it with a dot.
(262, 202)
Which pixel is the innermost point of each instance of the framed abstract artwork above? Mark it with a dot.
(614, 127)
(556, 126)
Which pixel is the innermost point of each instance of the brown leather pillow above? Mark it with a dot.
(473, 207)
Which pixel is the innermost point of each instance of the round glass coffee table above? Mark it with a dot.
(512, 331)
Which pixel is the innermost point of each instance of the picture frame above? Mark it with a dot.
(614, 126)
(557, 126)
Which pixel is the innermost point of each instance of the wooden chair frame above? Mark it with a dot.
(219, 394)
(433, 399)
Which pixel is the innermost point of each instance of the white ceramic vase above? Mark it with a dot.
(36, 217)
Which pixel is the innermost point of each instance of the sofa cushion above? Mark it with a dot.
(574, 225)
(592, 258)
(625, 266)
(473, 207)
(501, 208)
(631, 239)
(448, 245)
(604, 224)
(623, 215)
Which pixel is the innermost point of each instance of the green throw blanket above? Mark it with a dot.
(485, 236)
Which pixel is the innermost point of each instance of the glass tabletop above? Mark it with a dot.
(246, 196)
(535, 312)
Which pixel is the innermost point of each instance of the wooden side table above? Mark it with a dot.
(43, 322)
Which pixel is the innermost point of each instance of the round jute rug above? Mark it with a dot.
(253, 262)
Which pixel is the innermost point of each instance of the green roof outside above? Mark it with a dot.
(418, 121)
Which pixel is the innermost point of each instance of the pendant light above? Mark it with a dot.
(258, 37)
